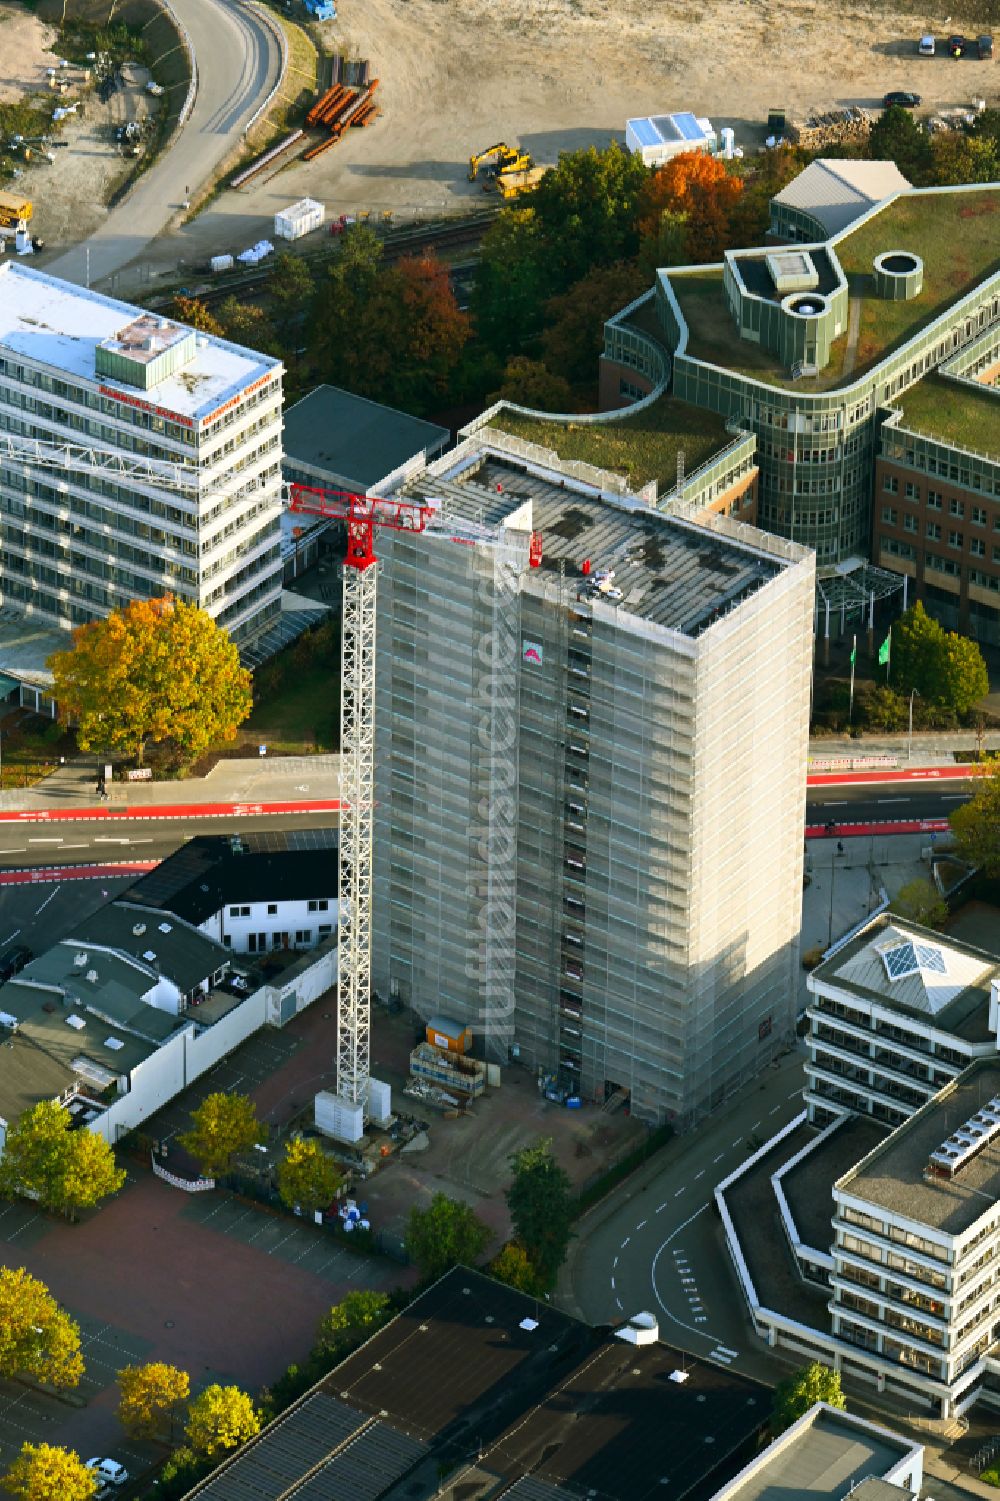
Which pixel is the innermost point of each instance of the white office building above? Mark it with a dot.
(172, 482)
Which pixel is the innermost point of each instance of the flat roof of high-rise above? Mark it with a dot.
(58, 324)
(660, 568)
(824, 1456)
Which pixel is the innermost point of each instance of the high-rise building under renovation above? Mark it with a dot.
(591, 735)
(138, 457)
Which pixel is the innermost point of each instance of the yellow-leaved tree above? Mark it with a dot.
(150, 1395)
(44, 1472)
(156, 670)
(220, 1418)
(63, 1169)
(36, 1337)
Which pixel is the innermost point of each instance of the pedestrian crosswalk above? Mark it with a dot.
(723, 1355)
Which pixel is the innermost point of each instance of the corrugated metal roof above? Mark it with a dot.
(838, 192)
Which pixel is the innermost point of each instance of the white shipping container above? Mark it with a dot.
(338, 1118)
(221, 263)
(379, 1102)
(298, 219)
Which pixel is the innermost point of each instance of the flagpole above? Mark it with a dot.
(854, 652)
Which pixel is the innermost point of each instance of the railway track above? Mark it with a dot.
(397, 243)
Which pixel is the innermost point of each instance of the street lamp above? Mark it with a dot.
(909, 738)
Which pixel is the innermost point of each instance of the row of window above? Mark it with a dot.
(978, 515)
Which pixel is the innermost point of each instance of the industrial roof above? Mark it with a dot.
(207, 873)
(652, 130)
(58, 324)
(161, 946)
(837, 192)
(84, 1022)
(823, 1456)
(894, 1176)
(948, 983)
(352, 441)
(28, 1074)
(521, 1400)
(808, 1187)
(671, 572)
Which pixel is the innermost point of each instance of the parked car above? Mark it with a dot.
(926, 46)
(957, 46)
(984, 47)
(108, 1471)
(901, 97)
(13, 961)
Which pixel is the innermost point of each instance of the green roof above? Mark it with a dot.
(955, 412)
(641, 446)
(956, 235)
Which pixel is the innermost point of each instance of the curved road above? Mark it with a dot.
(239, 63)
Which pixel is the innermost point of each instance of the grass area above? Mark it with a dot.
(945, 409)
(30, 747)
(297, 697)
(957, 236)
(642, 446)
(298, 87)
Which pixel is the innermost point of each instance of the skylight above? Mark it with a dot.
(908, 958)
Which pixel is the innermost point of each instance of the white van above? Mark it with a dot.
(926, 47)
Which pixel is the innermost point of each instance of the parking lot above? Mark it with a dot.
(313, 1248)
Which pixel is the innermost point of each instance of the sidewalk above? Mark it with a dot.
(930, 748)
(275, 779)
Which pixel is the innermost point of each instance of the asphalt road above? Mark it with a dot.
(25, 845)
(239, 63)
(879, 804)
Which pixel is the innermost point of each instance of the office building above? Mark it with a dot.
(591, 728)
(171, 480)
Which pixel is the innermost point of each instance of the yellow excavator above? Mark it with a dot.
(507, 159)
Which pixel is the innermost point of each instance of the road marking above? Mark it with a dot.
(678, 1193)
(699, 1318)
(880, 800)
(953, 799)
(794, 1094)
(841, 804)
(775, 1110)
(699, 1175)
(757, 1123)
(612, 1284)
(640, 1226)
(719, 1359)
(736, 1142)
(626, 1241)
(718, 1159)
(11, 936)
(44, 839)
(726, 1351)
(659, 1208)
(615, 1262)
(47, 900)
(621, 1308)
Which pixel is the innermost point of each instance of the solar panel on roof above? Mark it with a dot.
(688, 126)
(930, 958)
(900, 961)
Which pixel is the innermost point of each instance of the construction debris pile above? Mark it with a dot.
(838, 127)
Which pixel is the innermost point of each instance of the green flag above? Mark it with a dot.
(883, 651)
(854, 651)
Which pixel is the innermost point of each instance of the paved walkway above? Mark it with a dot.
(935, 748)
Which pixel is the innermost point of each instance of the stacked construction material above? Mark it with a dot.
(338, 108)
(268, 158)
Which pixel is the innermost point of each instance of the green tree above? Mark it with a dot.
(920, 901)
(959, 158)
(587, 209)
(541, 1207)
(222, 1126)
(976, 824)
(343, 300)
(291, 285)
(350, 1322)
(65, 1170)
(798, 1392)
(897, 137)
(512, 283)
(668, 245)
(444, 1235)
(574, 335)
(945, 668)
(156, 670)
(44, 1472)
(307, 1177)
(512, 1265)
(150, 1395)
(529, 383)
(220, 1418)
(966, 679)
(36, 1337)
(249, 323)
(881, 708)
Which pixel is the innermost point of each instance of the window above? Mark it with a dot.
(934, 500)
(304, 935)
(934, 531)
(239, 912)
(890, 516)
(911, 491)
(977, 547)
(955, 540)
(325, 930)
(978, 515)
(956, 507)
(890, 484)
(322, 905)
(910, 524)
(272, 909)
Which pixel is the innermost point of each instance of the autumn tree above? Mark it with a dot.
(66, 1170)
(432, 330)
(959, 158)
(976, 824)
(150, 1395)
(445, 1234)
(574, 334)
(541, 1208)
(45, 1472)
(307, 1177)
(192, 311)
(700, 187)
(222, 1126)
(156, 670)
(530, 383)
(920, 901)
(945, 668)
(798, 1392)
(251, 324)
(513, 1265)
(220, 1418)
(350, 1322)
(36, 1337)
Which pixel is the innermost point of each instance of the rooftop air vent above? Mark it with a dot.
(76, 1022)
(92, 976)
(138, 929)
(150, 955)
(164, 927)
(898, 275)
(114, 1043)
(80, 960)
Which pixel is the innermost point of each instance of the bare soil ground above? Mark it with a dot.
(555, 75)
(70, 197)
